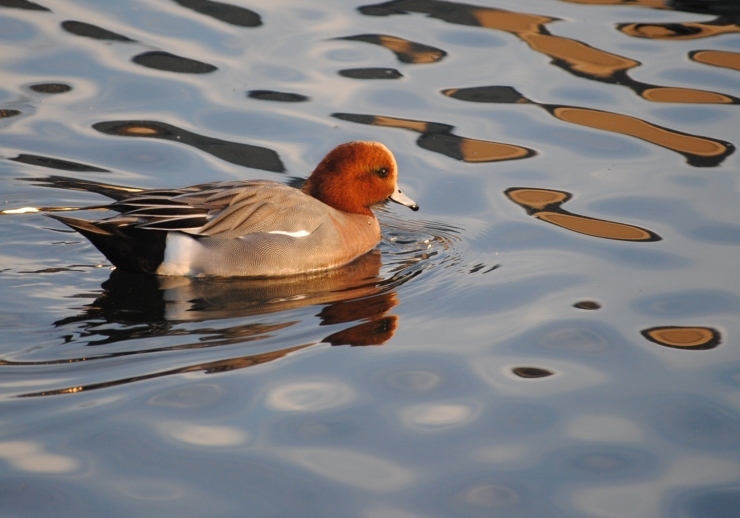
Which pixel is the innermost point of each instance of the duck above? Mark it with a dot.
(252, 228)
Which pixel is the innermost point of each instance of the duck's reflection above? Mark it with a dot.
(133, 308)
(163, 302)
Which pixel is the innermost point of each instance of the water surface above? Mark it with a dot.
(554, 333)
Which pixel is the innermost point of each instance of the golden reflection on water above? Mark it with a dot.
(136, 130)
(544, 204)
(698, 150)
(677, 31)
(438, 137)
(596, 227)
(679, 337)
(717, 58)
(685, 95)
(618, 123)
(509, 21)
(580, 57)
(573, 56)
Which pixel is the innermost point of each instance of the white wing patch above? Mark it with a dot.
(300, 233)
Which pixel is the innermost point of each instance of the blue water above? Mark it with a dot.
(554, 333)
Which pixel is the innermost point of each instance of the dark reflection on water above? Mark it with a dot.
(224, 12)
(56, 163)
(438, 137)
(371, 73)
(573, 56)
(23, 4)
(706, 6)
(699, 151)
(237, 153)
(590, 305)
(271, 95)
(696, 6)
(406, 51)
(156, 59)
(161, 60)
(89, 30)
(531, 372)
(4, 113)
(545, 205)
(50, 88)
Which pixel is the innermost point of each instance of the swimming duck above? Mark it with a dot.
(253, 228)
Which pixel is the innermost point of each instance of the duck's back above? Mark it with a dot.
(253, 228)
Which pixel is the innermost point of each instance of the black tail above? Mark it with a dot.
(125, 245)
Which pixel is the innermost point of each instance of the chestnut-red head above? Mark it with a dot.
(355, 176)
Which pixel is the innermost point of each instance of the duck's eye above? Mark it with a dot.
(382, 172)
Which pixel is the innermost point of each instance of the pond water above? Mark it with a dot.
(554, 333)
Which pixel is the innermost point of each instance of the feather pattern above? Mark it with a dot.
(255, 228)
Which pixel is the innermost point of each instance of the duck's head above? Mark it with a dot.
(355, 176)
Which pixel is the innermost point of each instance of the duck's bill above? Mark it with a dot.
(401, 198)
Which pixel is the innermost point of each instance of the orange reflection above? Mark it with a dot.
(375, 332)
(699, 151)
(678, 31)
(405, 50)
(572, 56)
(670, 139)
(717, 58)
(685, 95)
(439, 138)
(596, 227)
(578, 57)
(678, 337)
(139, 131)
(544, 204)
(509, 21)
